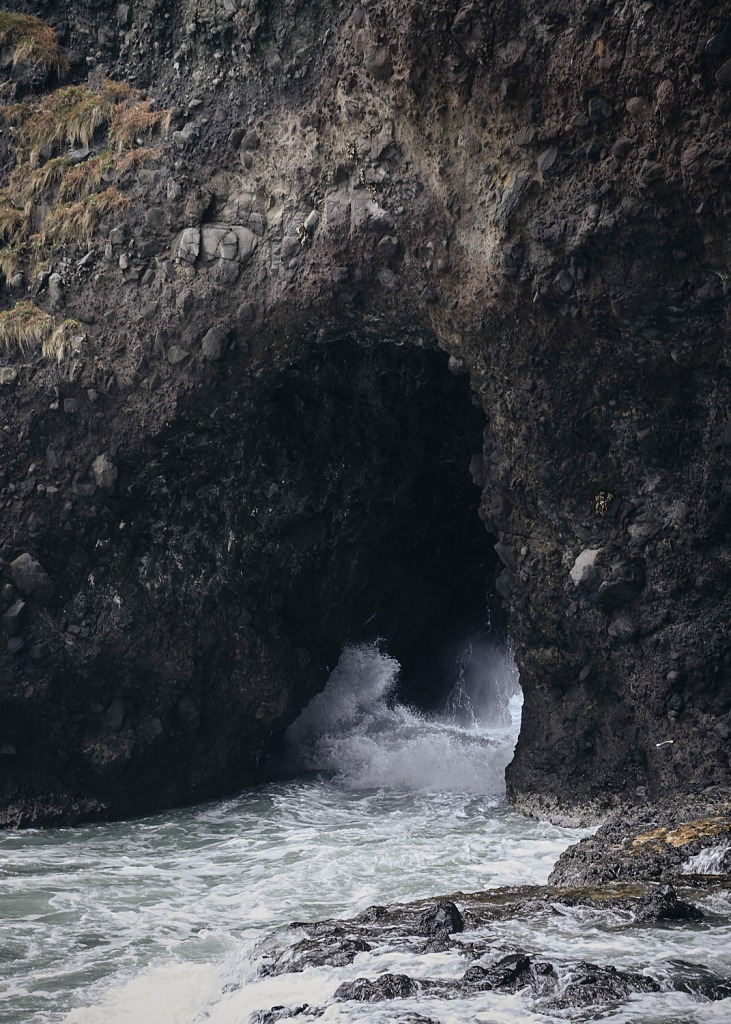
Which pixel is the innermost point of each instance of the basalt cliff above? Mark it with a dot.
(320, 322)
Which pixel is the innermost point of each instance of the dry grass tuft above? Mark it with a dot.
(31, 40)
(15, 221)
(25, 327)
(59, 343)
(73, 114)
(63, 201)
(10, 259)
(83, 179)
(69, 116)
(27, 183)
(135, 157)
(77, 221)
(137, 121)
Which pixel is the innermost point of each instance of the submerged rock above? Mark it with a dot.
(550, 984)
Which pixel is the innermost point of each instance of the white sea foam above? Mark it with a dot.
(711, 861)
(163, 920)
(370, 742)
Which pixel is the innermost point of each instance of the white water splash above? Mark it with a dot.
(714, 860)
(353, 730)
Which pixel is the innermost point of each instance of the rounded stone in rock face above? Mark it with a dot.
(213, 344)
(638, 108)
(377, 63)
(13, 618)
(31, 578)
(105, 472)
(600, 109)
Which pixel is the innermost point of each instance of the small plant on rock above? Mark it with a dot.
(602, 501)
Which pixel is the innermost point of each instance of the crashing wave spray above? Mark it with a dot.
(353, 730)
(487, 682)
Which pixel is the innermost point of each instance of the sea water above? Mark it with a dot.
(164, 920)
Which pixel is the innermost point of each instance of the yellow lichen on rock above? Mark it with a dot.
(688, 832)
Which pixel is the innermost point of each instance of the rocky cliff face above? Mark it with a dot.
(251, 444)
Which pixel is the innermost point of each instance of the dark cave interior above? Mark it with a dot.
(420, 566)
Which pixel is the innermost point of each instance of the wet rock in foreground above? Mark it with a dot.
(387, 986)
(664, 905)
(474, 931)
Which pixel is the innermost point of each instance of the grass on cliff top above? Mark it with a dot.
(25, 327)
(31, 40)
(48, 200)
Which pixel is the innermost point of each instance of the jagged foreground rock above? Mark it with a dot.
(253, 438)
(474, 934)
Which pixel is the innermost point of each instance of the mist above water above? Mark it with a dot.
(357, 730)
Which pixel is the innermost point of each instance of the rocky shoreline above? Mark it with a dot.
(686, 884)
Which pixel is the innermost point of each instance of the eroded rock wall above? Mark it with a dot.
(543, 189)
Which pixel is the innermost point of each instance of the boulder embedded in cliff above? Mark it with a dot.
(216, 240)
(187, 246)
(638, 108)
(377, 63)
(600, 109)
(615, 593)
(213, 344)
(105, 472)
(584, 565)
(31, 578)
(13, 618)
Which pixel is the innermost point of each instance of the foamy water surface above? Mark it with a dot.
(162, 920)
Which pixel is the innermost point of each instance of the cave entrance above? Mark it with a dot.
(389, 433)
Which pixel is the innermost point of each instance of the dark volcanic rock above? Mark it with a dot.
(573, 985)
(285, 1013)
(697, 980)
(31, 578)
(645, 846)
(388, 181)
(664, 905)
(387, 986)
(443, 918)
(551, 983)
